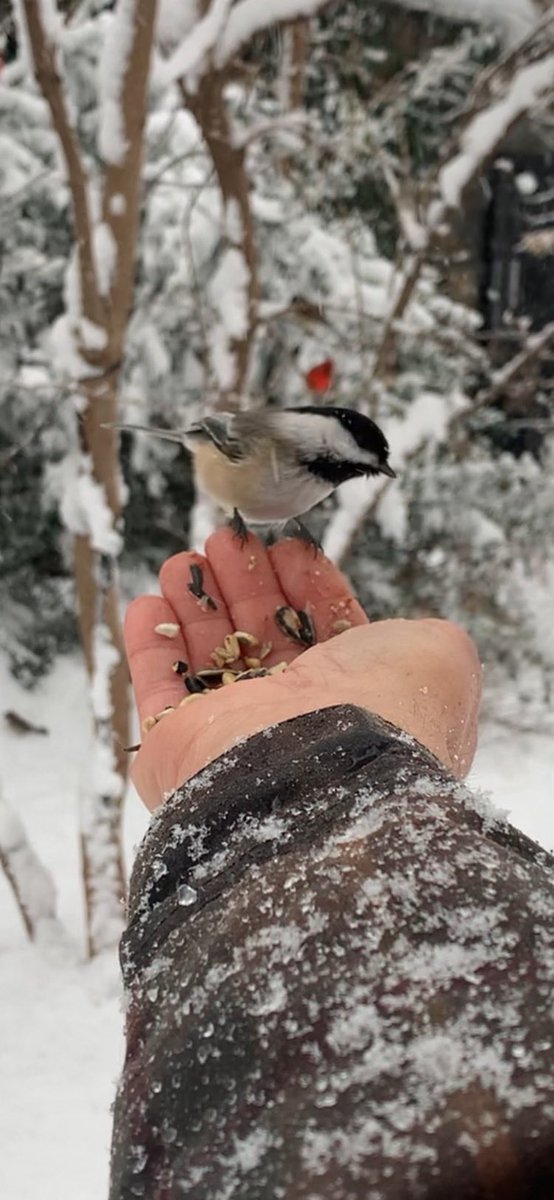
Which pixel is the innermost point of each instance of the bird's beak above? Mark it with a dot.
(386, 470)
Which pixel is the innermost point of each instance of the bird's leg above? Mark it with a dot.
(239, 528)
(305, 535)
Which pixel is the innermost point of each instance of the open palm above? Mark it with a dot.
(423, 676)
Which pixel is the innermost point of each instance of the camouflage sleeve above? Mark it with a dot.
(339, 968)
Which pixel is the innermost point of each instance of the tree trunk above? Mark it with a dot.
(207, 105)
(107, 304)
(97, 597)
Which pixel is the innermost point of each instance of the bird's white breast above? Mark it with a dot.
(263, 490)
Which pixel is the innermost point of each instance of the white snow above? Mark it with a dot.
(248, 17)
(33, 883)
(105, 255)
(486, 130)
(112, 140)
(426, 421)
(228, 294)
(118, 204)
(93, 337)
(187, 60)
(526, 183)
(106, 657)
(62, 1044)
(220, 32)
(175, 20)
(84, 507)
(51, 20)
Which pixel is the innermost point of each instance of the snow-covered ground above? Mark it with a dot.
(61, 1039)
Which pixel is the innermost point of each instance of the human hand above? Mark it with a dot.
(423, 676)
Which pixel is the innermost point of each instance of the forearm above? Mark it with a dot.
(337, 981)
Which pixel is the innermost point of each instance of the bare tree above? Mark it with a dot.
(105, 251)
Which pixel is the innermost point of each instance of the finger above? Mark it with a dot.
(252, 591)
(313, 584)
(204, 625)
(150, 655)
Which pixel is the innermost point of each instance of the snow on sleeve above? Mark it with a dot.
(486, 130)
(112, 140)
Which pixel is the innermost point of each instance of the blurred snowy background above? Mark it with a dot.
(216, 204)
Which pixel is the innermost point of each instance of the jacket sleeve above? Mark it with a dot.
(339, 968)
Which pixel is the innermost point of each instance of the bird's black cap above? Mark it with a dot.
(366, 434)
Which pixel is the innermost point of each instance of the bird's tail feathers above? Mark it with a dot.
(169, 435)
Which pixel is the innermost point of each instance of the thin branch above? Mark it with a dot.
(249, 17)
(44, 55)
(194, 273)
(353, 520)
(535, 345)
(476, 142)
(31, 883)
(294, 120)
(121, 193)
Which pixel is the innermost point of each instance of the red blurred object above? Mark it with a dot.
(320, 377)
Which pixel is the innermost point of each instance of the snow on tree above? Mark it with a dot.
(31, 884)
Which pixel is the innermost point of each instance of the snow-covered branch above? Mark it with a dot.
(430, 420)
(31, 883)
(296, 119)
(125, 69)
(485, 132)
(523, 85)
(502, 379)
(222, 31)
(189, 59)
(38, 29)
(514, 18)
(249, 17)
(427, 422)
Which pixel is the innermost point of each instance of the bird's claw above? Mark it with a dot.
(238, 526)
(305, 535)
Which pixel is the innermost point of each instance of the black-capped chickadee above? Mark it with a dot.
(272, 465)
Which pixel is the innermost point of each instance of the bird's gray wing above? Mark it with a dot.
(221, 430)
